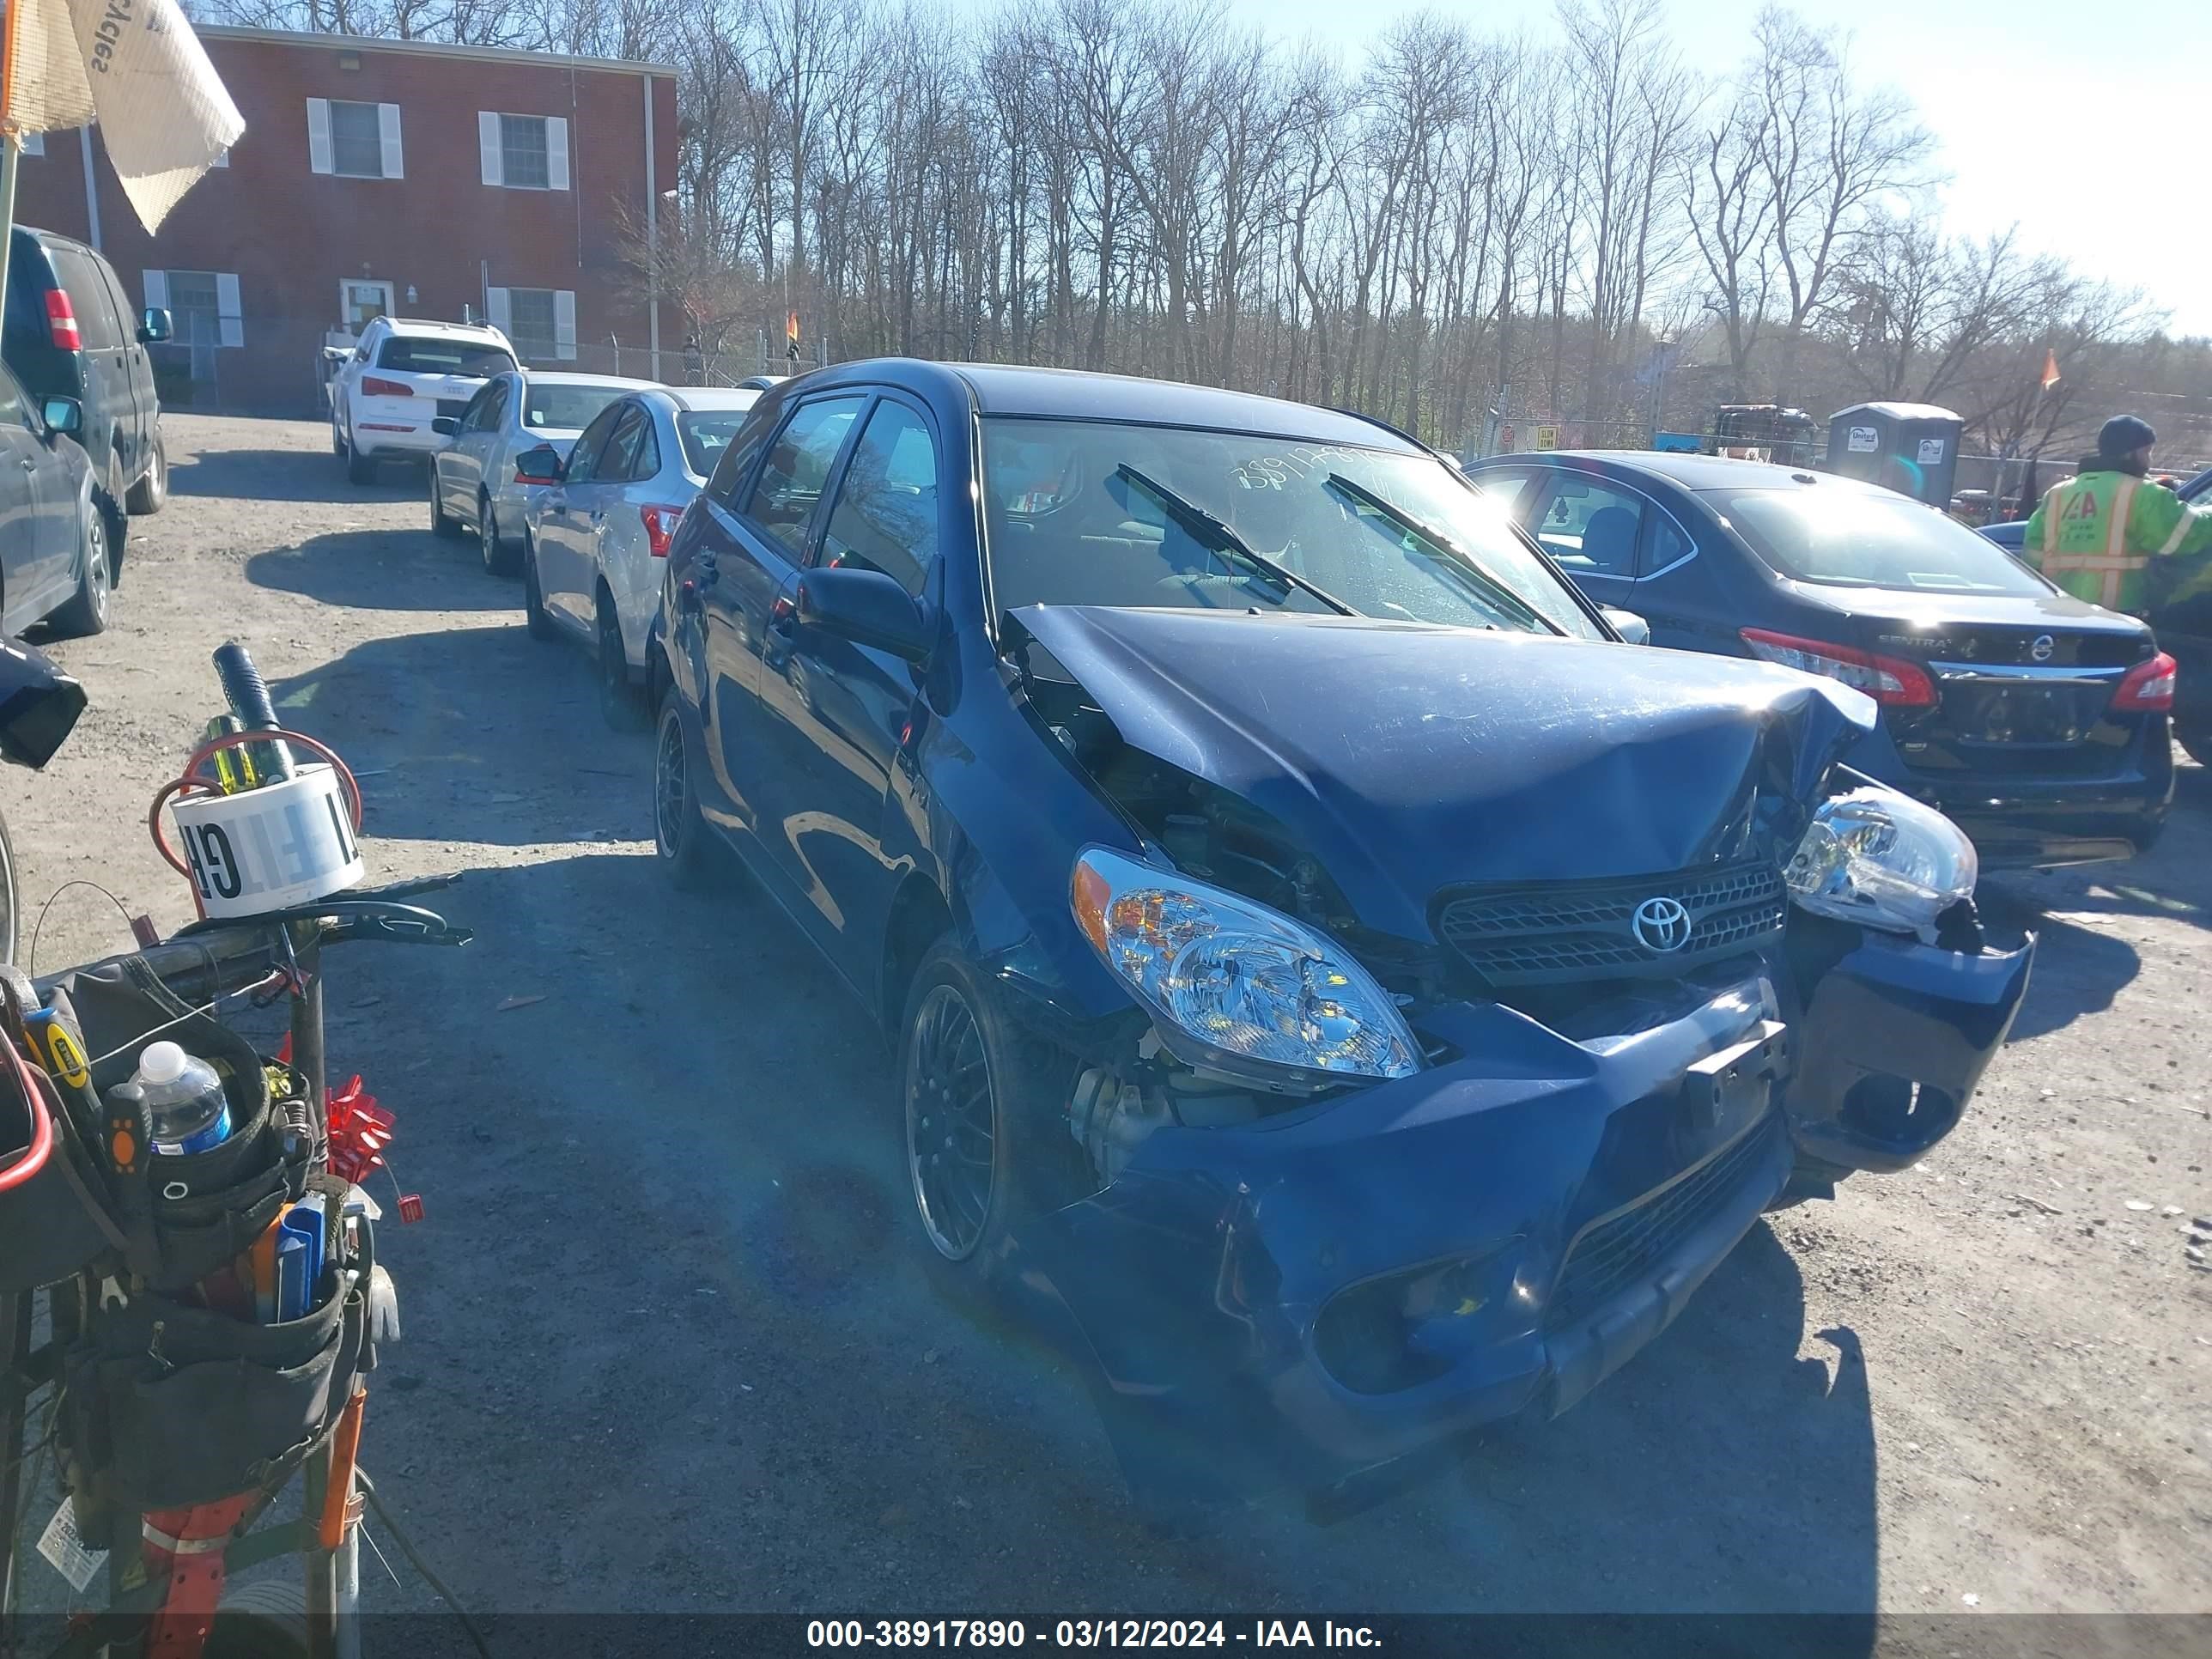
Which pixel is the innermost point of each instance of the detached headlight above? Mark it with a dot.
(1232, 983)
(1882, 858)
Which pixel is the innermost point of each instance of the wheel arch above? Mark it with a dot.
(919, 918)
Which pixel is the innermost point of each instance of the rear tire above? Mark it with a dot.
(2196, 743)
(498, 552)
(151, 492)
(682, 839)
(87, 613)
(534, 597)
(621, 705)
(359, 468)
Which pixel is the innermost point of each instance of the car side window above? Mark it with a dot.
(478, 415)
(88, 294)
(789, 487)
(613, 463)
(645, 463)
(13, 409)
(739, 455)
(1507, 486)
(582, 458)
(1590, 527)
(884, 517)
(1668, 544)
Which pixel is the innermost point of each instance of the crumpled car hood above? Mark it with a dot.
(1407, 757)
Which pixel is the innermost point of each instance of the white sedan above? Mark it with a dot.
(473, 488)
(594, 536)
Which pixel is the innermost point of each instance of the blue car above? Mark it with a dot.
(1339, 987)
(2184, 631)
(2038, 723)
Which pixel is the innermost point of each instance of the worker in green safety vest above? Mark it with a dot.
(2097, 533)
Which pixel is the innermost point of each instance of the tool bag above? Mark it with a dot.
(193, 1212)
(56, 1223)
(169, 1404)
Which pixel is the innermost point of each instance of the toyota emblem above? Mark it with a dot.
(2043, 648)
(1662, 925)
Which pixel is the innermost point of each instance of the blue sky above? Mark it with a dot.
(2043, 110)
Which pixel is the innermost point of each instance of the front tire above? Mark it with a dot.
(968, 1078)
(534, 597)
(443, 524)
(86, 614)
(151, 492)
(681, 837)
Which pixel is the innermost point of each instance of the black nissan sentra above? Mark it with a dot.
(1338, 985)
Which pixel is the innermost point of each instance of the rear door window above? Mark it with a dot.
(613, 463)
(885, 515)
(586, 454)
(96, 321)
(789, 487)
(1588, 526)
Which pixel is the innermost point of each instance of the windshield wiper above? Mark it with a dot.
(1215, 533)
(1497, 590)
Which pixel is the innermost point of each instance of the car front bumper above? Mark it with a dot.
(1500, 1231)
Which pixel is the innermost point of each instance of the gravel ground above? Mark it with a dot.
(668, 1342)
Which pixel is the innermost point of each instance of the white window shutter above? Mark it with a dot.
(319, 135)
(564, 323)
(156, 286)
(495, 301)
(557, 153)
(388, 128)
(229, 313)
(488, 146)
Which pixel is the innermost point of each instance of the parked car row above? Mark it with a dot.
(1305, 927)
(80, 422)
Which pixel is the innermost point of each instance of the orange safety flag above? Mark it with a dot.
(2050, 368)
(791, 327)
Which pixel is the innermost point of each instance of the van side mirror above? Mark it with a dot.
(1631, 627)
(864, 606)
(541, 465)
(155, 325)
(63, 415)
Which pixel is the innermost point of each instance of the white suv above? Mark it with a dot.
(401, 377)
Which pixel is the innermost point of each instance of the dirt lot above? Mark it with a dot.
(668, 1342)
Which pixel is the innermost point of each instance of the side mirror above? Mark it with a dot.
(63, 415)
(866, 607)
(1631, 626)
(541, 465)
(445, 426)
(155, 325)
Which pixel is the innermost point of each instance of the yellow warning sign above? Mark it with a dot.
(1547, 437)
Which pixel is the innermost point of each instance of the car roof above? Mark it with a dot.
(563, 377)
(431, 328)
(710, 396)
(1076, 394)
(1695, 472)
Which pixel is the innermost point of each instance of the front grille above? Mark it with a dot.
(1567, 931)
(1617, 1252)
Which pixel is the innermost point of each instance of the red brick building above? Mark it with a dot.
(390, 176)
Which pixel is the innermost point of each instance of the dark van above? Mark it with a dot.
(71, 332)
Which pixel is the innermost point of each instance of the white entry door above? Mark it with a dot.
(360, 298)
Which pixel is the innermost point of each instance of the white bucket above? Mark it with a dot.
(270, 848)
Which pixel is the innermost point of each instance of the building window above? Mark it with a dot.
(203, 309)
(523, 152)
(354, 141)
(540, 321)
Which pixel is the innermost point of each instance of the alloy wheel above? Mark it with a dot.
(951, 1123)
(669, 793)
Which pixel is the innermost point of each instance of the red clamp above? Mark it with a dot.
(186, 1547)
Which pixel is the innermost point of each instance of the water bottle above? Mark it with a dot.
(184, 1099)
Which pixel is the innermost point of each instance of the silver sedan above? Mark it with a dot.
(472, 482)
(593, 537)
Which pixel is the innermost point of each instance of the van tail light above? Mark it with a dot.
(660, 528)
(61, 322)
(372, 386)
(1889, 680)
(2148, 688)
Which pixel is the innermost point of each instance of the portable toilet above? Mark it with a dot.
(1911, 447)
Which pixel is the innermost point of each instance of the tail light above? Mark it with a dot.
(373, 386)
(1889, 680)
(660, 524)
(61, 322)
(2148, 688)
